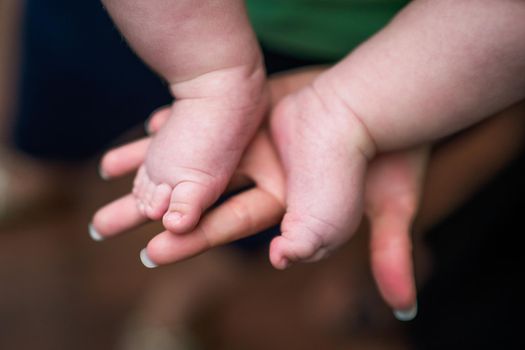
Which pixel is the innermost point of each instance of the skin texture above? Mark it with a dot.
(263, 205)
(438, 67)
(208, 53)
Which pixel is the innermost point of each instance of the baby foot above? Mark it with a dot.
(191, 159)
(325, 150)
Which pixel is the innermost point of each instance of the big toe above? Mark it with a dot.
(188, 201)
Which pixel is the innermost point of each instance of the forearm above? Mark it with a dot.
(185, 39)
(440, 66)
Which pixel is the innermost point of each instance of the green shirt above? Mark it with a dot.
(319, 29)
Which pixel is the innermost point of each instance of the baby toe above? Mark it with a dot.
(303, 239)
(188, 201)
(285, 251)
(159, 201)
(140, 195)
(149, 190)
(139, 184)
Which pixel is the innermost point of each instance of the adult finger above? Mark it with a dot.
(240, 216)
(124, 159)
(157, 119)
(391, 259)
(238, 182)
(116, 217)
(282, 84)
(392, 195)
(261, 164)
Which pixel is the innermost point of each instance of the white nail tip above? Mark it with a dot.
(406, 315)
(94, 234)
(146, 261)
(102, 174)
(146, 126)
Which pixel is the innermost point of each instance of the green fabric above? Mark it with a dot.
(319, 29)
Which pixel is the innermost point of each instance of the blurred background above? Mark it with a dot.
(70, 89)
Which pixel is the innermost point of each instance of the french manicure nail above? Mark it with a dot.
(94, 234)
(146, 261)
(147, 128)
(102, 174)
(146, 124)
(407, 314)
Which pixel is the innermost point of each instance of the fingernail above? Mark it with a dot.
(102, 174)
(147, 128)
(94, 234)
(146, 261)
(407, 314)
(146, 123)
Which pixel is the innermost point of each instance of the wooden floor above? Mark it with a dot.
(61, 290)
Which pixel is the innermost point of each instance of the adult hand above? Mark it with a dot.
(392, 194)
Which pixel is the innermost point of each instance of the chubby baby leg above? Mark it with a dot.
(325, 151)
